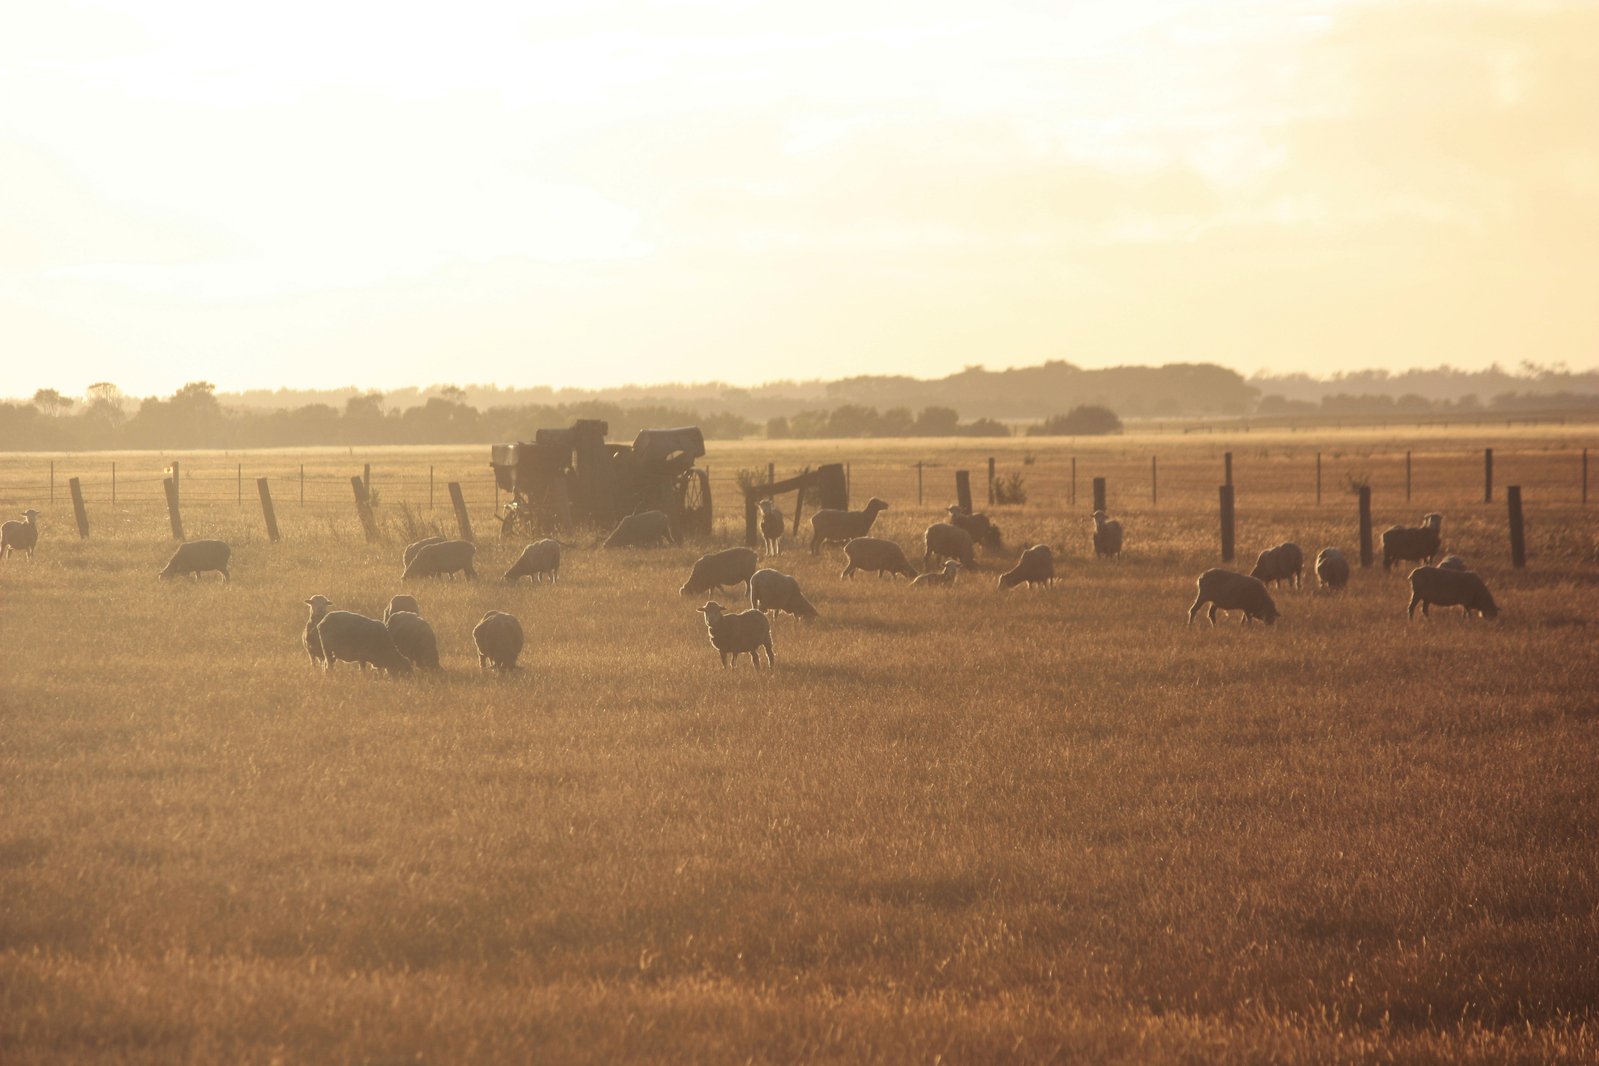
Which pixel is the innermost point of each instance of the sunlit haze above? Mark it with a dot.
(595, 193)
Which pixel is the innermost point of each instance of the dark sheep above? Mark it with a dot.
(355, 638)
(1417, 544)
(1433, 586)
(498, 637)
(1285, 562)
(832, 526)
(1226, 590)
(1332, 569)
(414, 639)
(445, 558)
(1107, 536)
(1035, 567)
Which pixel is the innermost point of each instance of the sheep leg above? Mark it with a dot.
(1410, 611)
(1212, 616)
(849, 571)
(226, 578)
(1192, 610)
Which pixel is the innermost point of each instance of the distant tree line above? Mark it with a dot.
(856, 420)
(1369, 403)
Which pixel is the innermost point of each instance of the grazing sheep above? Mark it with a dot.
(944, 578)
(498, 637)
(983, 531)
(648, 529)
(1285, 562)
(401, 602)
(538, 560)
(733, 566)
(1434, 586)
(1227, 590)
(20, 536)
(874, 554)
(836, 527)
(1035, 567)
(415, 546)
(1332, 569)
(355, 638)
(414, 638)
(771, 527)
(196, 557)
(1107, 536)
(313, 641)
(1418, 544)
(947, 541)
(738, 634)
(774, 591)
(1452, 562)
(445, 558)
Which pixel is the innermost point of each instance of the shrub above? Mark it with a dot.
(1085, 420)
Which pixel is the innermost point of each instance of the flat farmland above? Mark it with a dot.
(965, 825)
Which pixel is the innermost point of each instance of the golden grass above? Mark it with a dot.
(1039, 826)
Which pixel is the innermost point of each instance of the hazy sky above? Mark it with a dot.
(587, 193)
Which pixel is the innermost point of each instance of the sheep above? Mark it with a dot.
(983, 531)
(947, 541)
(648, 529)
(313, 641)
(771, 527)
(355, 638)
(881, 556)
(401, 602)
(498, 637)
(1332, 569)
(538, 560)
(732, 635)
(1285, 562)
(414, 639)
(733, 566)
(773, 591)
(944, 578)
(20, 536)
(415, 546)
(1107, 536)
(445, 557)
(1417, 544)
(1035, 567)
(196, 557)
(1452, 562)
(1228, 590)
(1435, 586)
(837, 527)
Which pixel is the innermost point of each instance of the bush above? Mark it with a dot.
(1010, 488)
(1085, 420)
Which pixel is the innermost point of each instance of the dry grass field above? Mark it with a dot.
(1041, 826)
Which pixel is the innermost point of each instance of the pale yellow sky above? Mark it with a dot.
(589, 193)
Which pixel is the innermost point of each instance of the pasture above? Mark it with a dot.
(959, 826)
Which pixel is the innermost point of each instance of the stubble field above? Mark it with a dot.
(1034, 826)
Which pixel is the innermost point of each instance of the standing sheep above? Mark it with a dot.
(1433, 586)
(831, 526)
(415, 546)
(733, 566)
(1035, 567)
(773, 591)
(1285, 562)
(414, 639)
(441, 559)
(876, 555)
(355, 638)
(1412, 543)
(196, 557)
(771, 527)
(20, 536)
(947, 541)
(310, 638)
(732, 635)
(944, 578)
(648, 529)
(1332, 569)
(1107, 536)
(983, 531)
(498, 637)
(538, 560)
(402, 602)
(1229, 591)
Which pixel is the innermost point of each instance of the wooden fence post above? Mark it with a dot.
(1487, 475)
(1099, 494)
(1227, 468)
(1518, 539)
(990, 481)
(799, 506)
(363, 507)
(1365, 527)
(173, 514)
(963, 490)
(1154, 483)
(366, 478)
(266, 509)
(462, 519)
(749, 519)
(177, 481)
(1226, 493)
(771, 473)
(77, 506)
(1407, 475)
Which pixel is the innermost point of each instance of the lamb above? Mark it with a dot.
(538, 560)
(1285, 562)
(874, 554)
(401, 602)
(196, 557)
(1107, 536)
(415, 546)
(1435, 586)
(733, 635)
(1452, 562)
(1412, 543)
(837, 527)
(1228, 590)
(446, 557)
(773, 591)
(498, 637)
(355, 638)
(20, 536)
(1332, 569)
(947, 541)
(313, 642)
(944, 578)
(648, 529)
(771, 527)
(1035, 567)
(414, 639)
(734, 566)
(983, 531)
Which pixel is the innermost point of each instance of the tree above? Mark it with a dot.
(1084, 420)
(51, 402)
(937, 422)
(777, 428)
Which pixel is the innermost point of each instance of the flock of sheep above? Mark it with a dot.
(402, 640)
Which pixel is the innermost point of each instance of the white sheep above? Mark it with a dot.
(310, 638)
(402, 602)
(1228, 590)
(1107, 536)
(718, 570)
(414, 639)
(538, 560)
(443, 558)
(944, 578)
(831, 526)
(20, 536)
(944, 540)
(498, 637)
(1035, 567)
(732, 635)
(874, 554)
(355, 638)
(197, 557)
(1332, 569)
(771, 527)
(773, 591)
